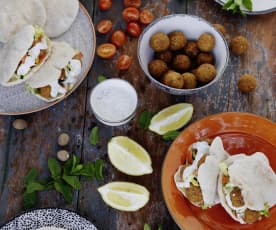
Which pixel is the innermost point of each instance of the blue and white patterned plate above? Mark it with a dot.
(58, 218)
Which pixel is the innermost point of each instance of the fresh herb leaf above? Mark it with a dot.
(171, 135)
(265, 212)
(54, 168)
(34, 186)
(146, 227)
(68, 166)
(99, 169)
(72, 180)
(31, 176)
(144, 119)
(160, 227)
(29, 200)
(101, 78)
(78, 168)
(65, 190)
(247, 4)
(94, 136)
(88, 170)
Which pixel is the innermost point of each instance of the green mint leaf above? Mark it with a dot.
(68, 166)
(54, 168)
(72, 180)
(101, 78)
(34, 186)
(99, 169)
(171, 135)
(146, 227)
(77, 168)
(88, 170)
(247, 4)
(31, 176)
(228, 4)
(160, 227)
(29, 200)
(65, 190)
(94, 136)
(144, 119)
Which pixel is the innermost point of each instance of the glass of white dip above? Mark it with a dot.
(114, 102)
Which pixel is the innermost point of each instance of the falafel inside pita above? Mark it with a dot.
(197, 179)
(58, 75)
(247, 187)
(23, 54)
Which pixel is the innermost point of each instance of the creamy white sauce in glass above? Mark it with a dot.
(114, 102)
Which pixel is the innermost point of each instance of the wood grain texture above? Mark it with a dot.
(22, 150)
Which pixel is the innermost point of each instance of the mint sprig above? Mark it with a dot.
(64, 179)
(234, 6)
(144, 119)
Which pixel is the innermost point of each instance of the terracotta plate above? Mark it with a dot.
(81, 35)
(241, 133)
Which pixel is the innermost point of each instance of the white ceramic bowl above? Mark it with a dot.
(192, 27)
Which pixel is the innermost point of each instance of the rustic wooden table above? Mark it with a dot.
(22, 150)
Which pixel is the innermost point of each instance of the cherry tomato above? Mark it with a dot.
(105, 4)
(130, 14)
(133, 3)
(146, 17)
(123, 62)
(106, 50)
(133, 29)
(104, 26)
(118, 38)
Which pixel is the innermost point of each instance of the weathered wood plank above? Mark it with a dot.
(32, 147)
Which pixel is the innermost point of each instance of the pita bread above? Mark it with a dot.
(50, 72)
(256, 179)
(60, 16)
(207, 172)
(14, 14)
(13, 51)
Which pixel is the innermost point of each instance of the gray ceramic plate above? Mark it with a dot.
(259, 6)
(58, 218)
(81, 35)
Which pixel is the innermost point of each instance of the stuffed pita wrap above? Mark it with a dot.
(23, 54)
(197, 180)
(60, 16)
(59, 74)
(14, 14)
(247, 187)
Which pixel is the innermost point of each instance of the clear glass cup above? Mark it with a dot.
(114, 102)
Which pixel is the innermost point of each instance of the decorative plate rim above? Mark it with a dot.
(84, 75)
(43, 209)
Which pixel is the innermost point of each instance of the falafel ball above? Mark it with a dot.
(206, 42)
(177, 40)
(205, 58)
(181, 62)
(173, 79)
(191, 49)
(194, 194)
(239, 45)
(220, 28)
(251, 216)
(165, 56)
(189, 80)
(247, 83)
(236, 197)
(159, 42)
(206, 73)
(157, 68)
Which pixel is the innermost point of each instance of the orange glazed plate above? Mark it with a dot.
(241, 133)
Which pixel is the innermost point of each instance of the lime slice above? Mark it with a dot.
(171, 118)
(124, 196)
(128, 156)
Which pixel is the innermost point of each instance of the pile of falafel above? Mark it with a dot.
(180, 63)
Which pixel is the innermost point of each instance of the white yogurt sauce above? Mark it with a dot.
(113, 101)
(56, 89)
(33, 54)
(72, 72)
(202, 148)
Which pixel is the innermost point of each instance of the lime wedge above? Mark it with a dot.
(171, 118)
(128, 156)
(124, 196)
